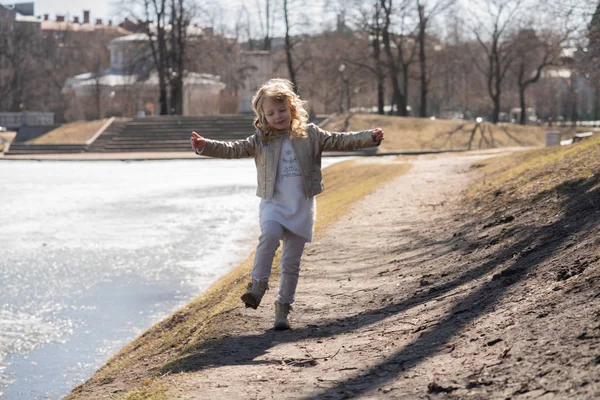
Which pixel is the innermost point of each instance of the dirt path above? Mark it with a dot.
(397, 301)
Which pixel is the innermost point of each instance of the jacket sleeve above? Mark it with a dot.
(235, 149)
(343, 141)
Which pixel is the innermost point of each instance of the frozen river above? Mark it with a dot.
(93, 253)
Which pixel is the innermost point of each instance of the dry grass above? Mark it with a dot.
(417, 134)
(525, 175)
(144, 395)
(187, 328)
(6, 137)
(72, 133)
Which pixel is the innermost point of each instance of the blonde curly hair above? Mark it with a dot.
(281, 90)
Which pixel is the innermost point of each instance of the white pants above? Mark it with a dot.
(293, 246)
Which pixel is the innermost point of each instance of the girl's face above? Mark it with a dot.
(278, 114)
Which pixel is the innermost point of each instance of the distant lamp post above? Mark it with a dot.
(111, 96)
(341, 70)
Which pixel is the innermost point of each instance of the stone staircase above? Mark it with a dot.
(30, 148)
(169, 133)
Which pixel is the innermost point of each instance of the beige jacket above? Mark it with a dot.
(308, 151)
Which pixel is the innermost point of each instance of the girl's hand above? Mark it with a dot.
(197, 141)
(377, 135)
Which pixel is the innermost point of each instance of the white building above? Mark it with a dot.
(130, 88)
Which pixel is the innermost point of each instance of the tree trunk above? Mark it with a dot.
(380, 95)
(497, 87)
(179, 34)
(162, 98)
(348, 98)
(422, 63)
(405, 90)
(496, 112)
(16, 92)
(98, 96)
(162, 69)
(398, 98)
(160, 54)
(288, 48)
(267, 40)
(523, 117)
(177, 96)
(379, 73)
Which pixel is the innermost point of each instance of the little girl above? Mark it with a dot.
(287, 153)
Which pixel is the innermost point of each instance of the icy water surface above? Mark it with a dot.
(94, 253)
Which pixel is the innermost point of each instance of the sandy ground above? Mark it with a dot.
(402, 299)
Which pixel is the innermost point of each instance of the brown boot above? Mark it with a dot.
(281, 316)
(255, 293)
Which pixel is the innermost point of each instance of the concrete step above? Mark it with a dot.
(171, 133)
(30, 148)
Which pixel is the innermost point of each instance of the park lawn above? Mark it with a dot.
(346, 182)
(421, 134)
(77, 132)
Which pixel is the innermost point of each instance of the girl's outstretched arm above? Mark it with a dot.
(341, 141)
(219, 149)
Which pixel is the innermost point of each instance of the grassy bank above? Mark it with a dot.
(72, 133)
(525, 176)
(136, 371)
(417, 134)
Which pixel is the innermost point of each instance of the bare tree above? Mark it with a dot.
(19, 42)
(426, 13)
(590, 56)
(288, 47)
(396, 60)
(156, 11)
(499, 53)
(372, 24)
(243, 26)
(180, 20)
(266, 21)
(533, 54)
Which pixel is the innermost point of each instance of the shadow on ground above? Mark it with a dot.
(578, 202)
